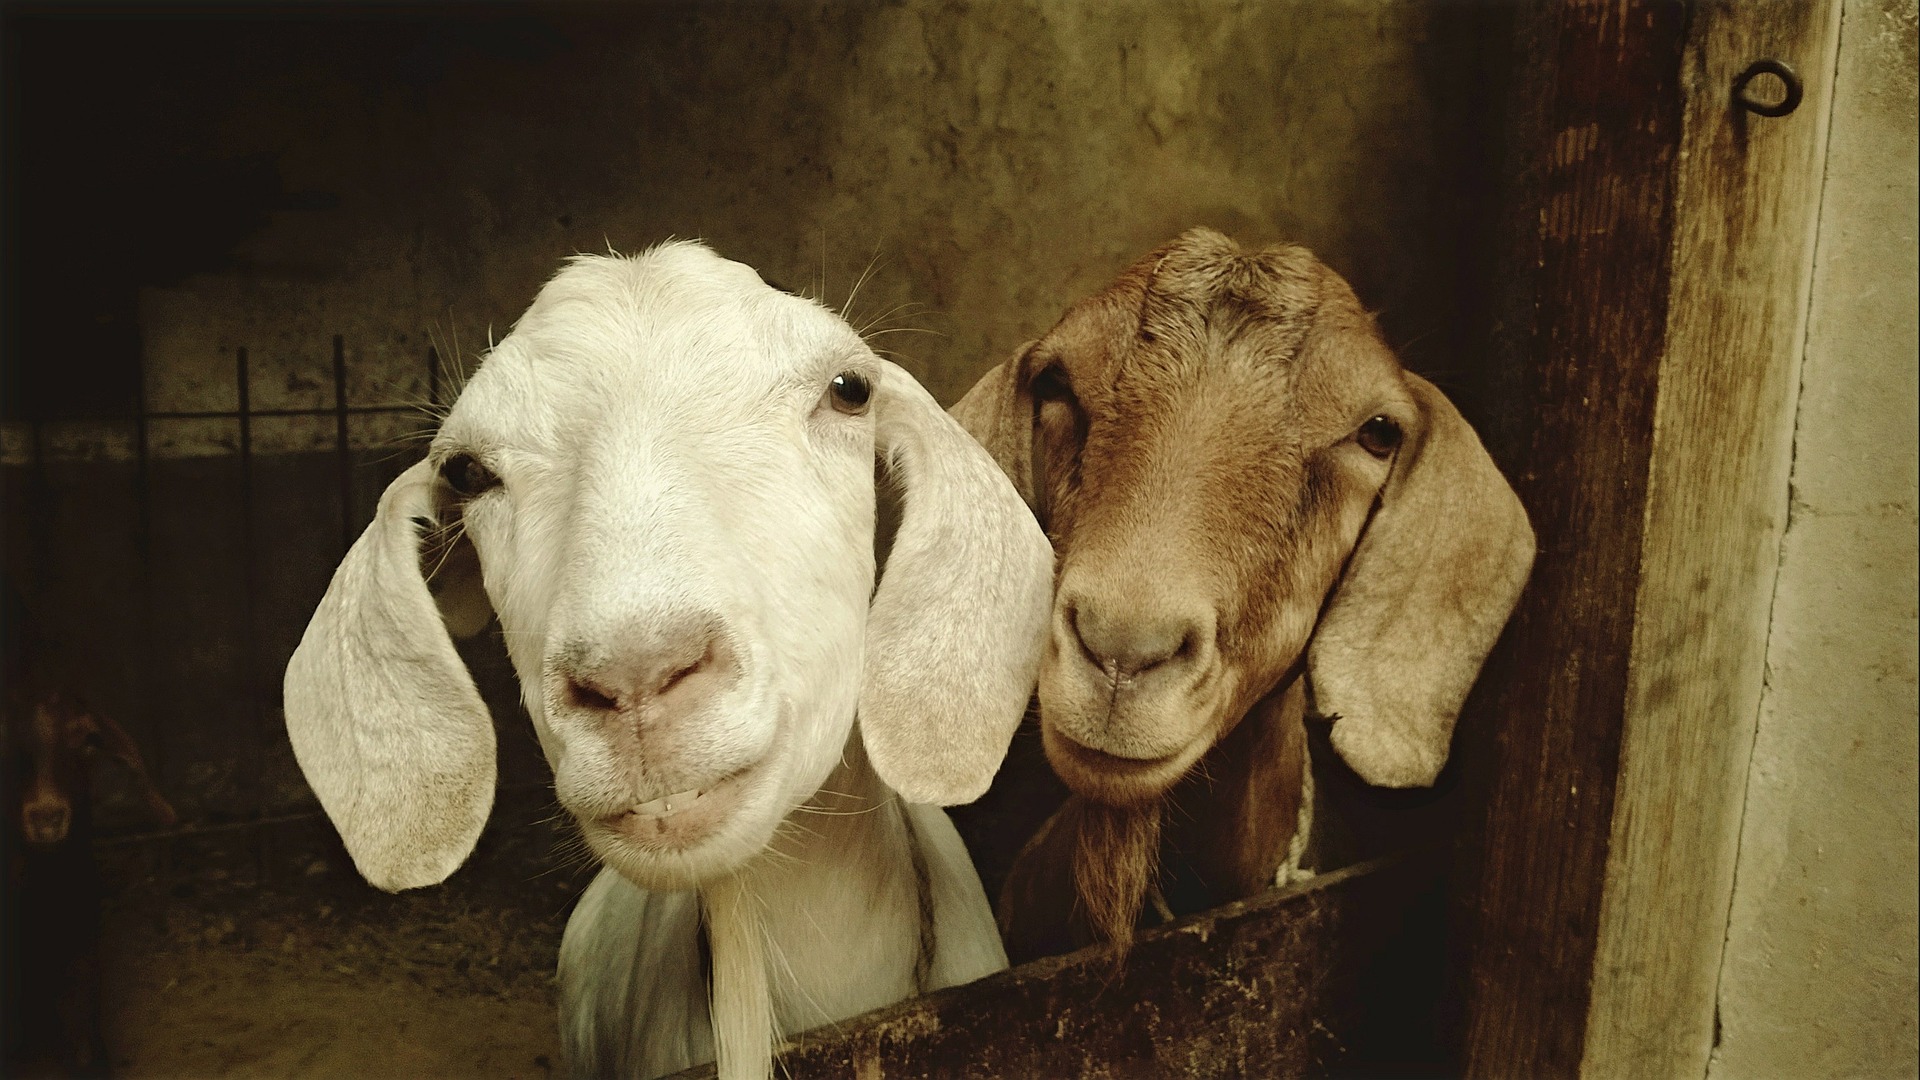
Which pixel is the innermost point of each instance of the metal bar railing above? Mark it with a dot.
(154, 700)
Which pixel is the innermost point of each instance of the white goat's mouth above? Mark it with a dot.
(667, 805)
(678, 822)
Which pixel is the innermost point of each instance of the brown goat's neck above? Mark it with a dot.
(1233, 817)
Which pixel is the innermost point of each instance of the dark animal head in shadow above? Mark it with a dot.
(1242, 485)
(54, 742)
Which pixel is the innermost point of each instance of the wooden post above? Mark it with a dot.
(1658, 259)
(1580, 326)
(1747, 196)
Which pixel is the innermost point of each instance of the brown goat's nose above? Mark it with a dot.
(667, 668)
(1126, 644)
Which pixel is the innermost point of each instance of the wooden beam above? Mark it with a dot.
(1580, 330)
(1657, 285)
(1747, 194)
(1302, 981)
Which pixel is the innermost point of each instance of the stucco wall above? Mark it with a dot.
(1819, 975)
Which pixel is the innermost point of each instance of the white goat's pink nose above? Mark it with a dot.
(663, 671)
(1127, 642)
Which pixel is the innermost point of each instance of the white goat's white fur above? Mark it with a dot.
(674, 477)
(612, 981)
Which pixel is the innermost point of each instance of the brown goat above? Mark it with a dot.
(1256, 512)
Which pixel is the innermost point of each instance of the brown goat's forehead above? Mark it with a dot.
(1201, 310)
(1206, 275)
(1214, 384)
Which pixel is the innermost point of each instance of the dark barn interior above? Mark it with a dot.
(250, 251)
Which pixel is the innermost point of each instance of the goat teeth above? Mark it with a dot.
(667, 804)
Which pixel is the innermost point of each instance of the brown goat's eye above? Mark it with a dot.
(850, 392)
(464, 474)
(1378, 436)
(1051, 384)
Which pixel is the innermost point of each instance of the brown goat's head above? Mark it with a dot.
(1242, 484)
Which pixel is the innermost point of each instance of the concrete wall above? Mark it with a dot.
(1819, 977)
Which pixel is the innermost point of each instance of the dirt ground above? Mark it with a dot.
(258, 951)
(249, 954)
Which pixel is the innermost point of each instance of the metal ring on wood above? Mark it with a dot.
(1785, 74)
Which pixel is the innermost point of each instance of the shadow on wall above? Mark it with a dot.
(268, 181)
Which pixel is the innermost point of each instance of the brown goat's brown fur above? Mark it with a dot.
(1192, 439)
(1228, 821)
(1116, 858)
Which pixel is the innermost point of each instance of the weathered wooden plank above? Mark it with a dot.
(1746, 204)
(1300, 981)
(1579, 336)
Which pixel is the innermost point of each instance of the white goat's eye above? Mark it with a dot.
(850, 393)
(464, 474)
(1379, 436)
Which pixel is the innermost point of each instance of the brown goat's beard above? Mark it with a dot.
(1116, 861)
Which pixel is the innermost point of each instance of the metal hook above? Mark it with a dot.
(1764, 108)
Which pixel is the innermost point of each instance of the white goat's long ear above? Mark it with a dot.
(959, 619)
(385, 721)
(998, 413)
(1423, 599)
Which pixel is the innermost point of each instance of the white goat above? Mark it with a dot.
(667, 472)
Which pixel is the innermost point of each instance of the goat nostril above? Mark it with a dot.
(1086, 634)
(1080, 639)
(1188, 648)
(677, 677)
(716, 665)
(586, 697)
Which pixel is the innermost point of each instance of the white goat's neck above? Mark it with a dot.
(832, 920)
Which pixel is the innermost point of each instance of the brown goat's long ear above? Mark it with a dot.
(998, 413)
(384, 718)
(958, 621)
(1425, 595)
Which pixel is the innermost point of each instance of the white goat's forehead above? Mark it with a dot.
(677, 324)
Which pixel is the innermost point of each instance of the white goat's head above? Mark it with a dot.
(667, 473)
